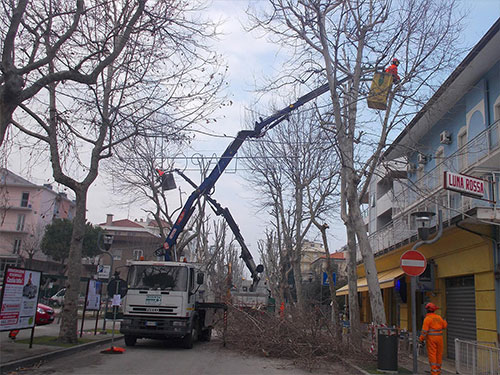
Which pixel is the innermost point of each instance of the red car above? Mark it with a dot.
(44, 314)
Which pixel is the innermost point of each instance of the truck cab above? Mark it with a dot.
(163, 302)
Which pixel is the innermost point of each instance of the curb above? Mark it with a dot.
(29, 361)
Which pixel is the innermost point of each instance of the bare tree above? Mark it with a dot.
(165, 74)
(224, 267)
(270, 256)
(136, 180)
(298, 181)
(31, 244)
(38, 34)
(329, 271)
(332, 40)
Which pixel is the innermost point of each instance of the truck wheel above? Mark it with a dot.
(130, 340)
(190, 338)
(206, 334)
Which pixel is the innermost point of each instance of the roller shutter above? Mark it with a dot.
(460, 311)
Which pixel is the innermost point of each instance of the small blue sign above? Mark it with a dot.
(325, 279)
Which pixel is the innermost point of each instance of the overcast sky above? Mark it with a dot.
(248, 58)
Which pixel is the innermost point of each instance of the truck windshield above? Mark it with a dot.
(158, 277)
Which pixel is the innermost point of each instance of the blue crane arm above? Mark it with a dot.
(205, 187)
(224, 212)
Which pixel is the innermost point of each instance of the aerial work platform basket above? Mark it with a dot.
(381, 84)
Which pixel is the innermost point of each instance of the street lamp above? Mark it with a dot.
(423, 219)
(108, 241)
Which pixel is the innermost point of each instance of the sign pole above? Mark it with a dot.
(413, 264)
(84, 308)
(32, 336)
(99, 310)
(114, 317)
(413, 289)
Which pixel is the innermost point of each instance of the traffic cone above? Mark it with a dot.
(113, 350)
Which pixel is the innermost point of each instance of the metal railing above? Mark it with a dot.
(476, 359)
(426, 192)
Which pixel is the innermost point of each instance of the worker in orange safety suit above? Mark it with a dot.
(432, 333)
(393, 69)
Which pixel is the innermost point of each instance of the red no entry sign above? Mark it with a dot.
(413, 263)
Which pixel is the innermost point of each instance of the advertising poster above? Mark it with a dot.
(19, 298)
(93, 302)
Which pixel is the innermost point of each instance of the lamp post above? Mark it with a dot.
(423, 219)
(107, 240)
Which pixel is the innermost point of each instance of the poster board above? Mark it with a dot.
(93, 301)
(19, 300)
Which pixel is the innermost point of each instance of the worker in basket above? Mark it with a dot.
(393, 69)
(432, 333)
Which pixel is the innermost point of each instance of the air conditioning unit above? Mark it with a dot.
(422, 159)
(411, 167)
(445, 138)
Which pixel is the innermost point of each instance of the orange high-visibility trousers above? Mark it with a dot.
(435, 353)
(432, 333)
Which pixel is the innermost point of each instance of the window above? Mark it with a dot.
(439, 157)
(462, 149)
(24, 199)
(17, 246)
(20, 222)
(154, 277)
(420, 176)
(117, 254)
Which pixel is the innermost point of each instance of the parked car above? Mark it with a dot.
(44, 314)
(58, 298)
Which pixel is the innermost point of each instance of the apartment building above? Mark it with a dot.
(131, 241)
(446, 160)
(25, 210)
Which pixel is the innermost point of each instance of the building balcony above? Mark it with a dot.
(384, 203)
(13, 231)
(16, 208)
(479, 158)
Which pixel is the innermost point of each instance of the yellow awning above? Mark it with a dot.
(386, 279)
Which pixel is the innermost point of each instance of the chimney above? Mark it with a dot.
(109, 219)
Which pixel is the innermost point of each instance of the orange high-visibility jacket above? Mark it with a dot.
(432, 331)
(433, 326)
(393, 69)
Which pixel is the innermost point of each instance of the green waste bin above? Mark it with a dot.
(387, 354)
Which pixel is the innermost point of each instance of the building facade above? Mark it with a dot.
(25, 210)
(131, 241)
(446, 160)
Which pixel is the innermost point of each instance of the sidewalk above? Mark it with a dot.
(15, 354)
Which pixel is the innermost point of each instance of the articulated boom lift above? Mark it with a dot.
(206, 186)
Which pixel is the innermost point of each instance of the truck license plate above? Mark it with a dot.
(153, 300)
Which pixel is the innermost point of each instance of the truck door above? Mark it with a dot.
(191, 287)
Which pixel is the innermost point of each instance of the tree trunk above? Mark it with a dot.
(354, 318)
(376, 301)
(69, 319)
(297, 277)
(329, 270)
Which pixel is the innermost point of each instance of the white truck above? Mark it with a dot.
(166, 300)
(246, 299)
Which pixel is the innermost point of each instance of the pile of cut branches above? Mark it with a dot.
(305, 337)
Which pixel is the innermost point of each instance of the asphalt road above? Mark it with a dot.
(156, 357)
